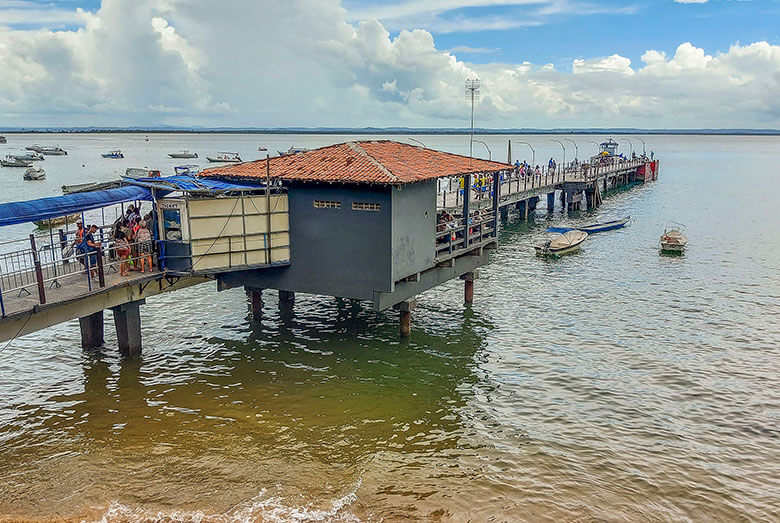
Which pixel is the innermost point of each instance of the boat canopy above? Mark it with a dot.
(54, 207)
(188, 183)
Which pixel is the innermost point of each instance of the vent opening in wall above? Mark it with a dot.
(327, 204)
(366, 206)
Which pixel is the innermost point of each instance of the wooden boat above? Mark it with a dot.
(184, 170)
(10, 161)
(565, 243)
(261, 148)
(224, 157)
(29, 157)
(53, 151)
(91, 186)
(594, 228)
(142, 172)
(113, 154)
(35, 147)
(183, 154)
(673, 240)
(60, 220)
(34, 174)
(3, 139)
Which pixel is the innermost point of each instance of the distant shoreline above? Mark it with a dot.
(396, 131)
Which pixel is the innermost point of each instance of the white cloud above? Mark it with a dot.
(302, 63)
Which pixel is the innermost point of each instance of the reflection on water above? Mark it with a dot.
(613, 384)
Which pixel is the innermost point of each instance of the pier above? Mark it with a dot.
(374, 221)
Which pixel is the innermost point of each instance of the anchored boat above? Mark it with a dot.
(113, 154)
(594, 228)
(565, 243)
(34, 174)
(224, 157)
(292, 150)
(52, 151)
(29, 157)
(673, 240)
(183, 154)
(10, 161)
(60, 220)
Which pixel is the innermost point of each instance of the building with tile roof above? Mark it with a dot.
(379, 162)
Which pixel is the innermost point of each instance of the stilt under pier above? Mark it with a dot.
(127, 320)
(286, 298)
(468, 288)
(91, 330)
(255, 302)
(405, 321)
(551, 201)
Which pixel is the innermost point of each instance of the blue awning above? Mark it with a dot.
(187, 183)
(45, 208)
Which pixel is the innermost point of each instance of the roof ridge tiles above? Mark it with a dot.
(358, 149)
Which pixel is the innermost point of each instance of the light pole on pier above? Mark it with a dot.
(533, 153)
(418, 141)
(644, 146)
(630, 144)
(576, 149)
(564, 152)
(490, 154)
(472, 93)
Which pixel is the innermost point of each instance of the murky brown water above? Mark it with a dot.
(613, 384)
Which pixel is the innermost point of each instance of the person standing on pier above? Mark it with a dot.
(90, 248)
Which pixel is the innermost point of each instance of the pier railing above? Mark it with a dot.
(461, 234)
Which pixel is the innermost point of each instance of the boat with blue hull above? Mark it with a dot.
(114, 154)
(594, 228)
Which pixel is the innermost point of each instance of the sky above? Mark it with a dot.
(659, 64)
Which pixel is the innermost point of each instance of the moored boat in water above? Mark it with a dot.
(594, 228)
(565, 243)
(292, 150)
(224, 157)
(117, 154)
(34, 174)
(60, 220)
(673, 240)
(142, 172)
(3, 139)
(10, 161)
(183, 154)
(51, 151)
(182, 170)
(29, 157)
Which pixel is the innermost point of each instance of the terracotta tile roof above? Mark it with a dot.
(377, 162)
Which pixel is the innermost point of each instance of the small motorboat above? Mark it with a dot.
(224, 157)
(34, 174)
(183, 170)
(565, 243)
(10, 161)
(3, 139)
(91, 186)
(113, 154)
(292, 150)
(183, 154)
(261, 148)
(142, 172)
(52, 151)
(673, 240)
(594, 228)
(29, 157)
(60, 220)
(35, 147)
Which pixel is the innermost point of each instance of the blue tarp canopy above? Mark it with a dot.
(187, 183)
(45, 208)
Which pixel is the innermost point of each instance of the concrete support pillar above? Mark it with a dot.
(255, 302)
(590, 199)
(127, 320)
(91, 330)
(550, 201)
(405, 321)
(504, 213)
(468, 287)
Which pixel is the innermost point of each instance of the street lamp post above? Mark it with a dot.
(644, 146)
(418, 141)
(576, 149)
(490, 154)
(533, 153)
(564, 155)
(630, 145)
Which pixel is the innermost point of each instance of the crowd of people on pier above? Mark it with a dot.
(131, 242)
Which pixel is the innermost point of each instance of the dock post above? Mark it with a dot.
(127, 320)
(466, 211)
(551, 201)
(255, 302)
(286, 298)
(405, 325)
(91, 330)
(468, 287)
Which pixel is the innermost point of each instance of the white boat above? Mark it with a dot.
(261, 148)
(142, 172)
(117, 154)
(35, 147)
(183, 170)
(29, 157)
(53, 151)
(224, 157)
(563, 244)
(10, 161)
(673, 240)
(292, 150)
(34, 174)
(3, 139)
(183, 154)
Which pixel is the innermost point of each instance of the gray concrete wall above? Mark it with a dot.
(414, 228)
(335, 252)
